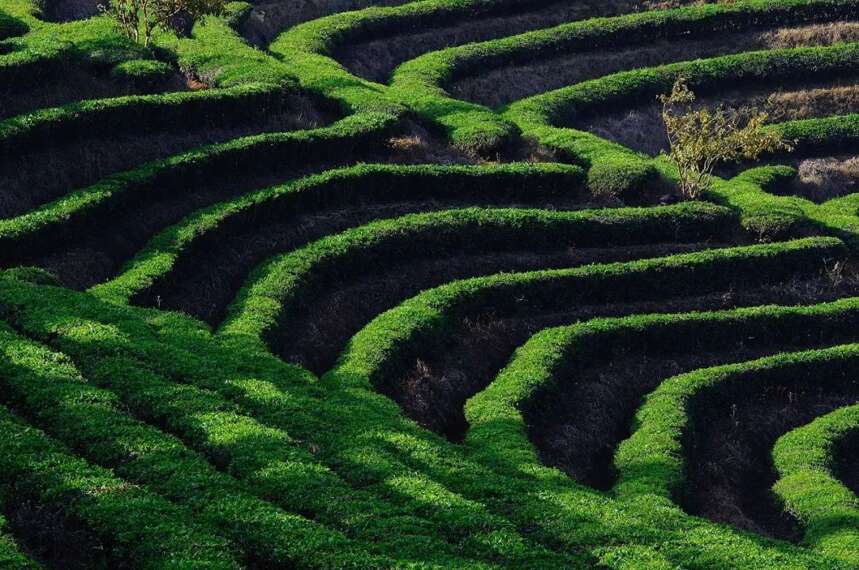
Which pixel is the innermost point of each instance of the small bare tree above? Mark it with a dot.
(140, 18)
(700, 138)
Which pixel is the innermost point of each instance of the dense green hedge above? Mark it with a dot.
(651, 460)
(441, 67)
(53, 223)
(284, 283)
(325, 35)
(379, 490)
(617, 169)
(498, 431)
(90, 419)
(382, 347)
(141, 526)
(139, 114)
(49, 50)
(564, 106)
(376, 352)
(551, 353)
(338, 188)
(421, 82)
(365, 439)
(256, 449)
(837, 134)
(217, 53)
(810, 489)
(254, 83)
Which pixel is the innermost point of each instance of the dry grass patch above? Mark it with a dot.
(823, 178)
(816, 34)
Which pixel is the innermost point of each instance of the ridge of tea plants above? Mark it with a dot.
(392, 284)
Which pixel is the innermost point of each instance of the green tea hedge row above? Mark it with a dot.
(27, 11)
(325, 35)
(421, 82)
(282, 284)
(616, 169)
(141, 526)
(365, 439)
(307, 48)
(838, 134)
(337, 188)
(216, 53)
(52, 224)
(809, 488)
(441, 67)
(758, 195)
(21, 64)
(555, 353)
(141, 114)
(48, 51)
(498, 428)
(253, 83)
(381, 348)
(303, 49)
(114, 355)
(651, 460)
(542, 498)
(564, 106)
(91, 420)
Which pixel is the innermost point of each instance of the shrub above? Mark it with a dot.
(139, 19)
(701, 138)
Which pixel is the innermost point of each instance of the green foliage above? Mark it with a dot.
(344, 187)
(809, 488)
(185, 447)
(34, 228)
(421, 81)
(651, 460)
(142, 73)
(283, 283)
(144, 526)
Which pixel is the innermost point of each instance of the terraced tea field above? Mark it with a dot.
(357, 284)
